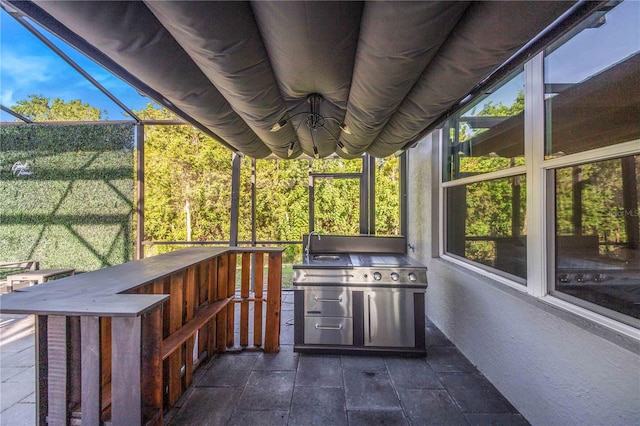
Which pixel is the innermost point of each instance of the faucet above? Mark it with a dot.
(308, 247)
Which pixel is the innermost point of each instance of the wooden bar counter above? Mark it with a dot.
(120, 344)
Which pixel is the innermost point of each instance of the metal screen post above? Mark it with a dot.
(139, 191)
(235, 198)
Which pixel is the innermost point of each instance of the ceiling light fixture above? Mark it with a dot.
(314, 121)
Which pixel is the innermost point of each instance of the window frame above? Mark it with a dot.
(493, 273)
(540, 203)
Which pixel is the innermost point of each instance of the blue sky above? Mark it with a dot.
(28, 66)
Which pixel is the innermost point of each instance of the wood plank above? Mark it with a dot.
(258, 276)
(203, 282)
(257, 323)
(258, 279)
(74, 361)
(244, 294)
(58, 413)
(150, 375)
(191, 290)
(126, 402)
(176, 307)
(204, 315)
(213, 291)
(176, 302)
(105, 360)
(166, 311)
(91, 386)
(272, 327)
(42, 369)
(245, 275)
(244, 323)
(231, 291)
(221, 318)
(249, 299)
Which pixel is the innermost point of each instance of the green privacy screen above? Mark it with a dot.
(66, 195)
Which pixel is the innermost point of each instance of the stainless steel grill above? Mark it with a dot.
(359, 302)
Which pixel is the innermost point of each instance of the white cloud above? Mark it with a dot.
(6, 98)
(25, 71)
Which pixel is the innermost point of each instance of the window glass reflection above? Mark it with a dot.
(488, 135)
(597, 242)
(486, 223)
(592, 83)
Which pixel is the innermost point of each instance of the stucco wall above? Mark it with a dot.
(554, 367)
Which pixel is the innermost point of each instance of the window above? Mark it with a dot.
(592, 103)
(485, 223)
(592, 84)
(556, 183)
(488, 135)
(597, 256)
(485, 213)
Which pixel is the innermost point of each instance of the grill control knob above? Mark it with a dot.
(377, 276)
(412, 277)
(395, 276)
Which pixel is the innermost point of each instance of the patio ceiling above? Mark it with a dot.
(384, 71)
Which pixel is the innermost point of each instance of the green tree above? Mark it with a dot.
(39, 108)
(187, 182)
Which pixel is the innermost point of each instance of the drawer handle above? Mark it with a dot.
(329, 275)
(321, 299)
(328, 327)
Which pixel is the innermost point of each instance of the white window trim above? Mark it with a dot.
(484, 177)
(599, 154)
(617, 326)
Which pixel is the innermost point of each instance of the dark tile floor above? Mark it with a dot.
(298, 389)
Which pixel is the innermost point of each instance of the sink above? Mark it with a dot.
(325, 257)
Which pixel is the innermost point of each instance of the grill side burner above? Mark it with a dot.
(360, 303)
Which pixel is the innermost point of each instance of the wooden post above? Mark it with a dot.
(244, 305)
(231, 307)
(151, 373)
(213, 294)
(176, 306)
(126, 401)
(190, 307)
(58, 413)
(91, 386)
(272, 336)
(42, 371)
(258, 277)
(221, 319)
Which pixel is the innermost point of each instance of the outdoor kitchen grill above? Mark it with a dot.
(359, 295)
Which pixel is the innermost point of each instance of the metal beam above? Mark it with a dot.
(253, 203)
(364, 195)
(72, 63)
(371, 179)
(235, 198)
(36, 13)
(139, 191)
(15, 114)
(403, 193)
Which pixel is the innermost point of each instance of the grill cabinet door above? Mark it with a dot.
(389, 318)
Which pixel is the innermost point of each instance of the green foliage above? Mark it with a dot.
(387, 196)
(39, 108)
(187, 182)
(75, 208)
(185, 170)
(601, 191)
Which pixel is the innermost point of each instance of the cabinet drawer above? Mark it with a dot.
(327, 302)
(328, 331)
